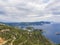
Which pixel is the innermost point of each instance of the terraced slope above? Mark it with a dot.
(14, 36)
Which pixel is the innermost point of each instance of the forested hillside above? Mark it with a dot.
(15, 36)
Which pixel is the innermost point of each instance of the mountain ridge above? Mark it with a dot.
(26, 23)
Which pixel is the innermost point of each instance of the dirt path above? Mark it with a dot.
(12, 41)
(23, 42)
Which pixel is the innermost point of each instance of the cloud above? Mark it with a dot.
(54, 8)
(28, 10)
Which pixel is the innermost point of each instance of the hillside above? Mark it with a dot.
(14, 36)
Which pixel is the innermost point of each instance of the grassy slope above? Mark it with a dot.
(17, 36)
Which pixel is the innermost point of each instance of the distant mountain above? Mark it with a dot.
(34, 23)
(23, 24)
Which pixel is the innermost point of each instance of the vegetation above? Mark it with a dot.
(15, 36)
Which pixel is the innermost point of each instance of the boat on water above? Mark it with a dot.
(57, 33)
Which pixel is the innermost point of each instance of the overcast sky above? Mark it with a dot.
(29, 10)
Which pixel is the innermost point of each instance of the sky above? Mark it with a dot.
(29, 10)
